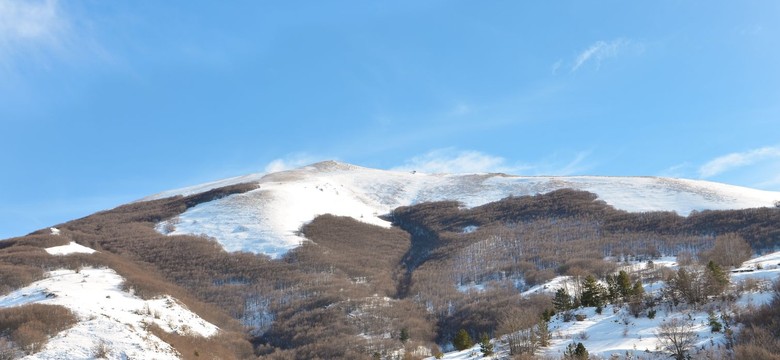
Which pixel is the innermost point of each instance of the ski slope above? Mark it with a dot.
(267, 220)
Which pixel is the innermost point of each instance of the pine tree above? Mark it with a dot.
(462, 340)
(613, 290)
(593, 293)
(404, 336)
(715, 325)
(624, 285)
(717, 279)
(638, 291)
(580, 353)
(576, 352)
(543, 330)
(562, 300)
(485, 346)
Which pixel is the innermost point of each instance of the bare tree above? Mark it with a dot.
(729, 250)
(7, 350)
(676, 336)
(518, 325)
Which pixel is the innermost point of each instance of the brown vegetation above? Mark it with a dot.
(30, 326)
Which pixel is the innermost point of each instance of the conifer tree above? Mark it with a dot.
(485, 346)
(638, 290)
(715, 325)
(593, 293)
(580, 353)
(404, 336)
(575, 352)
(716, 279)
(462, 340)
(543, 330)
(624, 284)
(562, 300)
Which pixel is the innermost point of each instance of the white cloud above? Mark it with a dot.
(575, 166)
(732, 161)
(556, 66)
(676, 171)
(27, 26)
(599, 51)
(291, 161)
(453, 161)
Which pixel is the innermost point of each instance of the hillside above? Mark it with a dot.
(337, 261)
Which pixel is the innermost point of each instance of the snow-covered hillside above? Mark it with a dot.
(616, 333)
(266, 220)
(107, 315)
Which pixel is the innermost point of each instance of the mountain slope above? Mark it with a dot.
(356, 282)
(268, 219)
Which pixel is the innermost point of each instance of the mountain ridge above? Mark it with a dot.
(267, 220)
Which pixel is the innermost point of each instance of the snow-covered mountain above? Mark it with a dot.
(267, 220)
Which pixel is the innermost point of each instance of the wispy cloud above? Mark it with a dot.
(451, 160)
(31, 26)
(291, 161)
(556, 66)
(454, 161)
(599, 51)
(736, 160)
(676, 171)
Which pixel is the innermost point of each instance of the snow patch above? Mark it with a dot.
(71, 248)
(54, 231)
(470, 229)
(107, 315)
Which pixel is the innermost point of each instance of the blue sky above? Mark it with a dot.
(104, 102)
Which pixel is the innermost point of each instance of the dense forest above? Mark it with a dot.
(356, 291)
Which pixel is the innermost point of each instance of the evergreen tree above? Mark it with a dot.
(624, 285)
(593, 293)
(485, 346)
(462, 340)
(562, 300)
(575, 352)
(580, 353)
(638, 291)
(547, 314)
(716, 279)
(543, 330)
(613, 290)
(715, 325)
(404, 336)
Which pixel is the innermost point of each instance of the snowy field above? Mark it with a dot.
(267, 220)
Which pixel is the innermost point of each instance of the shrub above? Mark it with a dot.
(101, 350)
(651, 314)
(31, 325)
